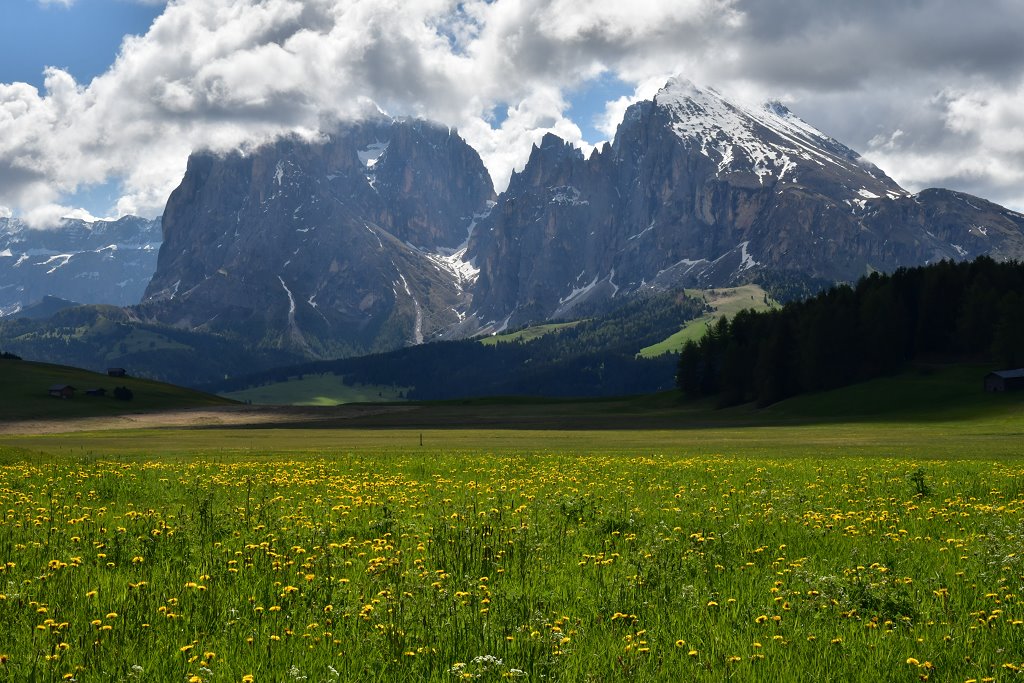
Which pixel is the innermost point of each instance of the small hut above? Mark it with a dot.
(1005, 380)
(62, 391)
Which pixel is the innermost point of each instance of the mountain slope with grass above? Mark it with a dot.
(724, 302)
(99, 337)
(954, 312)
(596, 356)
(25, 387)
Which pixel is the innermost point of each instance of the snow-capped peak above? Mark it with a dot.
(769, 141)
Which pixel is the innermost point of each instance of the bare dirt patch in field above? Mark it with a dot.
(226, 416)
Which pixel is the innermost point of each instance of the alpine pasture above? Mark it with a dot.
(858, 552)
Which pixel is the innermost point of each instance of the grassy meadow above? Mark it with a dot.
(325, 389)
(725, 302)
(780, 545)
(528, 333)
(830, 552)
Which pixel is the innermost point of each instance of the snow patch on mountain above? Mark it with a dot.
(63, 258)
(642, 232)
(577, 292)
(746, 260)
(463, 270)
(767, 141)
(567, 195)
(368, 156)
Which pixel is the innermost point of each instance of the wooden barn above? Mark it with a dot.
(62, 391)
(117, 372)
(1005, 380)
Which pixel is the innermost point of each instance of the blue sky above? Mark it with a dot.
(82, 39)
(931, 91)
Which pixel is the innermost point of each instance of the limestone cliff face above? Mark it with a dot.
(387, 233)
(696, 190)
(326, 248)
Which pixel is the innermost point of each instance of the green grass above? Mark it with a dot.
(724, 302)
(828, 553)
(865, 534)
(929, 393)
(528, 333)
(924, 394)
(317, 390)
(868, 533)
(24, 393)
(141, 340)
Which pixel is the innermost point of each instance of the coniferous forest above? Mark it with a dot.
(596, 356)
(946, 312)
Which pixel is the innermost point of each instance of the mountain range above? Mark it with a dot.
(108, 262)
(388, 232)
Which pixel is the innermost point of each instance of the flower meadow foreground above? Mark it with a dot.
(463, 566)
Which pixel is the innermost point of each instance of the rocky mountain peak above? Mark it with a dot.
(698, 190)
(550, 160)
(328, 247)
(768, 143)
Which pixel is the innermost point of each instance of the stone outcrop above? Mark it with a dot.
(698, 191)
(329, 247)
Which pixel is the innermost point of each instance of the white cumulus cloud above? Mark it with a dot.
(222, 74)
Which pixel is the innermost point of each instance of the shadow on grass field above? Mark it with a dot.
(927, 413)
(24, 393)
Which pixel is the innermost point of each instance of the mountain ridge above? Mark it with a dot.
(697, 191)
(103, 262)
(388, 233)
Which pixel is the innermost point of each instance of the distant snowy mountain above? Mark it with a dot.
(107, 262)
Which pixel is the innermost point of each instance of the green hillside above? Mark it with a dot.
(24, 393)
(723, 302)
(594, 356)
(325, 389)
(923, 393)
(98, 337)
(528, 333)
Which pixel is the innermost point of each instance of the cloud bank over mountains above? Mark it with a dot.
(931, 91)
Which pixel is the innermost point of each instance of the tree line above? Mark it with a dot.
(964, 311)
(595, 357)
